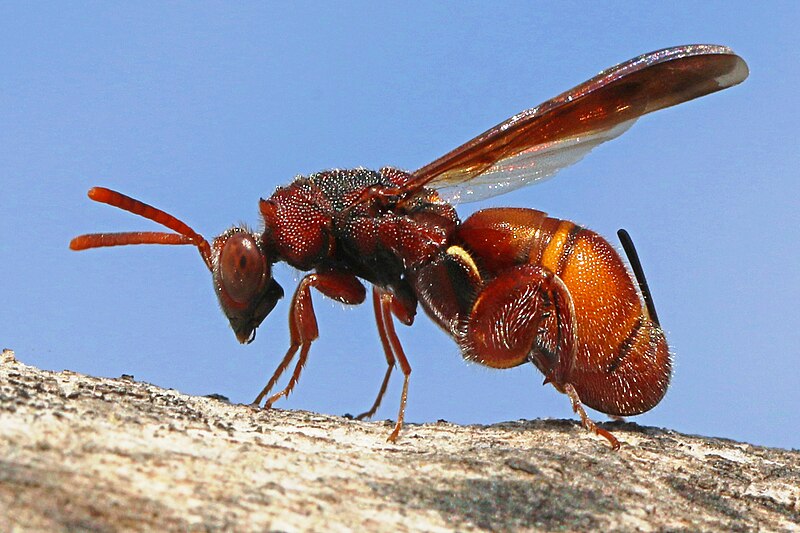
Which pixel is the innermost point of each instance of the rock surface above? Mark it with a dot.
(85, 453)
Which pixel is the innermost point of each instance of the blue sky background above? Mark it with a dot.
(202, 108)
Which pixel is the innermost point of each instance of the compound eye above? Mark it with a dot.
(242, 268)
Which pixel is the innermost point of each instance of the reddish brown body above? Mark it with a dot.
(509, 285)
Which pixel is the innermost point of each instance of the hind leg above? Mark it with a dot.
(526, 314)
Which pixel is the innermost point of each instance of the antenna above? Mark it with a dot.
(184, 234)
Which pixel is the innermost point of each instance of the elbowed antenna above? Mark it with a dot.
(184, 235)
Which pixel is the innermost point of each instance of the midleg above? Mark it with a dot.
(405, 367)
(387, 350)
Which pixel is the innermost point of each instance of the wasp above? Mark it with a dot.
(509, 285)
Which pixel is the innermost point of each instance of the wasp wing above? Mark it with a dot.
(536, 143)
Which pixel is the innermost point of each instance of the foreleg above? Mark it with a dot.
(303, 330)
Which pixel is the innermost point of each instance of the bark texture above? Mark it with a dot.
(84, 453)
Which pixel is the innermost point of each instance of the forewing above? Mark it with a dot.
(532, 165)
(535, 144)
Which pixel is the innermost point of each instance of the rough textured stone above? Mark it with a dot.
(84, 453)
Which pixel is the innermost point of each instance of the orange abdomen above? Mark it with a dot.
(621, 363)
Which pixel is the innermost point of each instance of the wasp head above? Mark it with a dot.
(242, 274)
(239, 261)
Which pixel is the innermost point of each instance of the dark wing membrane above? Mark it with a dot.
(536, 143)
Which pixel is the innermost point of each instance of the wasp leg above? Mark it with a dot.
(587, 422)
(387, 350)
(303, 330)
(405, 367)
(524, 314)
